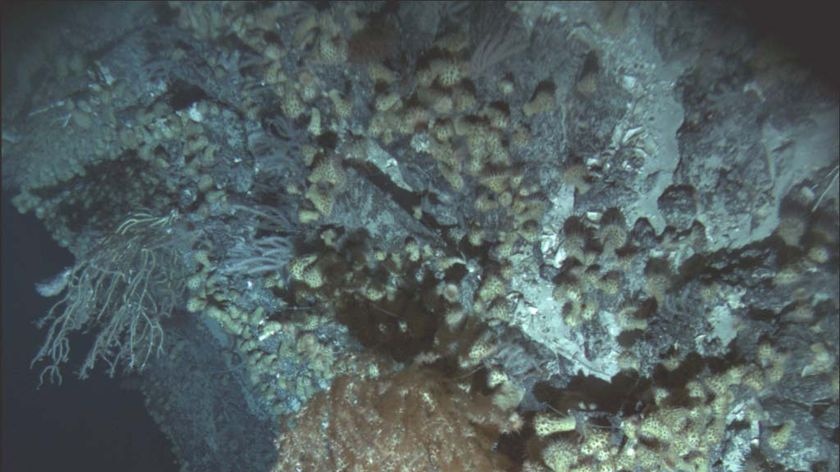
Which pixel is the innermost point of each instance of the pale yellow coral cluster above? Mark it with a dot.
(320, 30)
(325, 181)
(547, 424)
(673, 436)
(250, 331)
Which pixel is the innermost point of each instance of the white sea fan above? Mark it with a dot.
(55, 284)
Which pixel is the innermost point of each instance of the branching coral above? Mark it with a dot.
(122, 287)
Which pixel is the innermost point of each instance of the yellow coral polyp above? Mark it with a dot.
(321, 199)
(388, 101)
(447, 71)
(292, 105)
(298, 265)
(328, 171)
(546, 424)
(343, 107)
(332, 50)
(313, 278)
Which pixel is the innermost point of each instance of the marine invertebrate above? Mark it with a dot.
(123, 287)
(413, 420)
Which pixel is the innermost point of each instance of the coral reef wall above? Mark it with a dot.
(415, 236)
